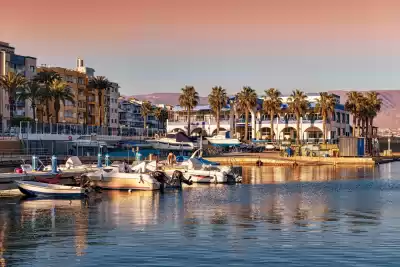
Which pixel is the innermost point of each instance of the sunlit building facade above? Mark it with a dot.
(285, 124)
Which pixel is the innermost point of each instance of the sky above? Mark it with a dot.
(162, 45)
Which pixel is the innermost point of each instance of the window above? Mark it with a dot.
(80, 80)
(68, 103)
(68, 114)
(32, 68)
(343, 118)
(347, 118)
(337, 116)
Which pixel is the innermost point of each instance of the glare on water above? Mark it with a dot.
(303, 216)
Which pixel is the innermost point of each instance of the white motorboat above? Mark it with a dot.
(173, 141)
(37, 189)
(143, 176)
(90, 141)
(72, 163)
(197, 172)
(222, 139)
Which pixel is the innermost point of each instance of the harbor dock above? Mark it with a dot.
(274, 159)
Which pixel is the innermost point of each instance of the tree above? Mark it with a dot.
(375, 104)
(325, 106)
(45, 78)
(33, 92)
(298, 104)
(11, 83)
(272, 105)
(145, 110)
(246, 102)
(188, 100)
(217, 100)
(101, 84)
(162, 115)
(353, 105)
(60, 92)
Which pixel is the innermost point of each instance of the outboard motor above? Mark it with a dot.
(179, 175)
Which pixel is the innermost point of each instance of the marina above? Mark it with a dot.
(299, 210)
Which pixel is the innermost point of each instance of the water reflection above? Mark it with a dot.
(268, 174)
(271, 208)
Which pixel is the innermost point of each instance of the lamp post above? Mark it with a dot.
(389, 143)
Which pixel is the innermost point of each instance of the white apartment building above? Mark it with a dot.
(311, 126)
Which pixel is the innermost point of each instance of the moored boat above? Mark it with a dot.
(143, 176)
(174, 141)
(38, 189)
(223, 140)
(197, 172)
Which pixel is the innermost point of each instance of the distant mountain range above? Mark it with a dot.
(389, 117)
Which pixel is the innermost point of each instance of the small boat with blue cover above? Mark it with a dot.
(38, 189)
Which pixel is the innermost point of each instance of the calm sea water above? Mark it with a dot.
(308, 216)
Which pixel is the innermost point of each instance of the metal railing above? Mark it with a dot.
(82, 129)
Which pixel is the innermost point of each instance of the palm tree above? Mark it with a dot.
(33, 92)
(246, 102)
(61, 92)
(188, 100)
(325, 106)
(272, 105)
(298, 104)
(162, 115)
(100, 83)
(11, 83)
(375, 104)
(145, 110)
(217, 100)
(45, 78)
(353, 105)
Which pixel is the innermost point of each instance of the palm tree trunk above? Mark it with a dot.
(12, 106)
(272, 125)
(33, 106)
(298, 129)
(324, 127)
(57, 111)
(246, 125)
(48, 111)
(367, 136)
(359, 126)
(100, 107)
(145, 122)
(217, 117)
(188, 127)
(354, 124)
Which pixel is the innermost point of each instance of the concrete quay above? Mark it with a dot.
(274, 159)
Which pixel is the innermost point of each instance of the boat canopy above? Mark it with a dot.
(180, 137)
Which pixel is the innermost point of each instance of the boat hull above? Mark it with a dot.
(116, 182)
(37, 189)
(224, 142)
(174, 147)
